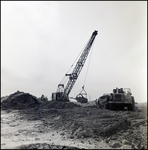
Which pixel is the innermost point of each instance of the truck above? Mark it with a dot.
(120, 99)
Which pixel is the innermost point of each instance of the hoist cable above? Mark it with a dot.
(74, 62)
(62, 81)
(77, 92)
(78, 55)
(86, 72)
(88, 65)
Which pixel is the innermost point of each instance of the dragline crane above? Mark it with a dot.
(62, 93)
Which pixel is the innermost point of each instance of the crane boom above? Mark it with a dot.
(63, 96)
(80, 63)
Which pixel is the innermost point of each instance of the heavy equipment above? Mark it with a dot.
(118, 100)
(62, 93)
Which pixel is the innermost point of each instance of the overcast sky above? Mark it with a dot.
(41, 39)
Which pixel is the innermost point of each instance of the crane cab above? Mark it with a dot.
(59, 96)
(56, 96)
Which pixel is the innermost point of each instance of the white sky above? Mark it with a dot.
(41, 39)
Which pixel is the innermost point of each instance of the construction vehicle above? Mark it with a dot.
(118, 100)
(62, 93)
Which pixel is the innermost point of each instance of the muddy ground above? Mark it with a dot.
(70, 126)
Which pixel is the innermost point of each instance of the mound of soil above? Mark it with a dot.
(44, 146)
(58, 105)
(19, 100)
(60, 125)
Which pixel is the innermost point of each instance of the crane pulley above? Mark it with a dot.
(62, 93)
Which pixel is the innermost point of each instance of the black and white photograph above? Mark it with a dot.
(74, 75)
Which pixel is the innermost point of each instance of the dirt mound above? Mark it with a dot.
(117, 126)
(4, 98)
(44, 146)
(19, 100)
(100, 125)
(59, 105)
(46, 127)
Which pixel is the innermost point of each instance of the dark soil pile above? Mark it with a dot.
(77, 123)
(58, 105)
(88, 122)
(45, 146)
(80, 123)
(19, 100)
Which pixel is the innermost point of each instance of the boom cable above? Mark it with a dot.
(86, 72)
(74, 95)
(62, 81)
(88, 65)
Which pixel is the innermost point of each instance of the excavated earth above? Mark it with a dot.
(27, 123)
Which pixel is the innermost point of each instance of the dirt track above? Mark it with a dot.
(65, 126)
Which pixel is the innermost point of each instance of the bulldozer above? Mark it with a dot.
(118, 100)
